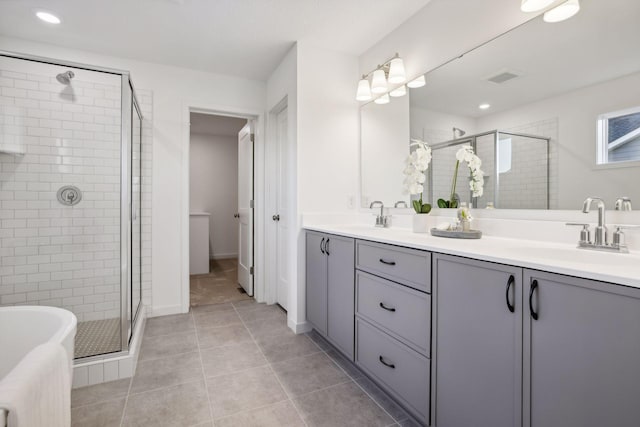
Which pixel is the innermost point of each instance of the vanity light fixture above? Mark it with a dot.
(484, 106)
(364, 90)
(48, 17)
(399, 91)
(417, 82)
(384, 99)
(534, 5)
(379, 81)
(396, 71)
(562, 12)
(390, 72)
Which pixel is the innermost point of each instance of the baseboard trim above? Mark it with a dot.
(299, 328)
(223, 256)
(165, 310)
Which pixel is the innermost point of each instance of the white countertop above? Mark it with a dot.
(623, 269)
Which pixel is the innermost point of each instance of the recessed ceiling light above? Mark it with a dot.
(484, 106)
(48, 17)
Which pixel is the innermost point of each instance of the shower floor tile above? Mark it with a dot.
(97, 337)
(219, 286)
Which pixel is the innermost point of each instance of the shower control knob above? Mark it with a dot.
(276, 217)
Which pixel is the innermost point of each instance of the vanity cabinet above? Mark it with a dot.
(393, 321)
(477, 337)
(330, 288)
(518, 347)
(582, 352)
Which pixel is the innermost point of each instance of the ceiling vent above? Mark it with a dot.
(502, 77)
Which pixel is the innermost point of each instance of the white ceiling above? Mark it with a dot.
(600, 43)
(215, 125)
(245, 38)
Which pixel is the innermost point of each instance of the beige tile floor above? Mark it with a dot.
(235, 365)
(219, 286)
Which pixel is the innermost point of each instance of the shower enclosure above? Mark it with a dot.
(70, 195)
(516, 168)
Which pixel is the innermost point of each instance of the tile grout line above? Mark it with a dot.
(204, 376)
(271, 368)
(360, 387)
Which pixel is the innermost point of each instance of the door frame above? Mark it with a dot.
(260, 192)
(271, 230)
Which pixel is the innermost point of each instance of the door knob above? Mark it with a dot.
(236, 215)
(276, 217)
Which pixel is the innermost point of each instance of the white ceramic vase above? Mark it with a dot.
(420, 223)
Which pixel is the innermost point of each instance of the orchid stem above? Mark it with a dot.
(455, 179)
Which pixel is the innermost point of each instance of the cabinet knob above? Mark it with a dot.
(276, 217)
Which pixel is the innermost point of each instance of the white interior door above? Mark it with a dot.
(245, 208)
(283, 220)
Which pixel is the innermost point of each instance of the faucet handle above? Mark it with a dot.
(585, 233)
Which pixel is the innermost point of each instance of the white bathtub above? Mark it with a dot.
(22, 328)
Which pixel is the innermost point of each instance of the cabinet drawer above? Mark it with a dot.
(404, 372)
(398, 309)
(408, 266)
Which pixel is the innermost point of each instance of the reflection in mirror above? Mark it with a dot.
(553, 111)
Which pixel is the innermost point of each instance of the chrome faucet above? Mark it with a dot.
(382, 220)
(601, 234)
(623, 204)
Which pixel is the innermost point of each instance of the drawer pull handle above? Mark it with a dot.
(326, 246)
(384, 261)
(534, 313)
(510, 282)
(322, 245)
(387, 308)
(387, 364)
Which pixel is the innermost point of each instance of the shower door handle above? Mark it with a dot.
(134, 216)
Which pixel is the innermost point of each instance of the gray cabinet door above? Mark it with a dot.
(582, 354)
(477, 344)
(341, 290)
(316, 278)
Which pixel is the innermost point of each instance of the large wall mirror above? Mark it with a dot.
(562, 122)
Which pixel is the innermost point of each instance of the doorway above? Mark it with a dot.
(221, 180)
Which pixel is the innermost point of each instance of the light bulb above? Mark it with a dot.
(379, 82)
(417, 82)
(484, 106)
(48, 17)
(364, 90)
(396, 71)
(563, 11)
(384, 99)
(534, 5)
(399, 91)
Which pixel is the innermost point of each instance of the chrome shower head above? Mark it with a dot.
(65, 78)
(458, 133)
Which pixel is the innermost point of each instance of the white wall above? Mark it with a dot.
(172, 88)
(213, 188)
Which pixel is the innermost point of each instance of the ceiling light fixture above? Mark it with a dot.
(534, 5)
(417, 82)
(389, 72)
(48, 17)
(399, 91)
(484, 106)
(384, 99)
(562, 12)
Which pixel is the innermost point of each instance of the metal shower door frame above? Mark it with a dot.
(128, 97)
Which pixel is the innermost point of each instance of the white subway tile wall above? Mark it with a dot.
(51, 254)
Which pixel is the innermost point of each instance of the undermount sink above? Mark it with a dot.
(568, 254)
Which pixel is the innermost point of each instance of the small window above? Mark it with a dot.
(619, 136)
